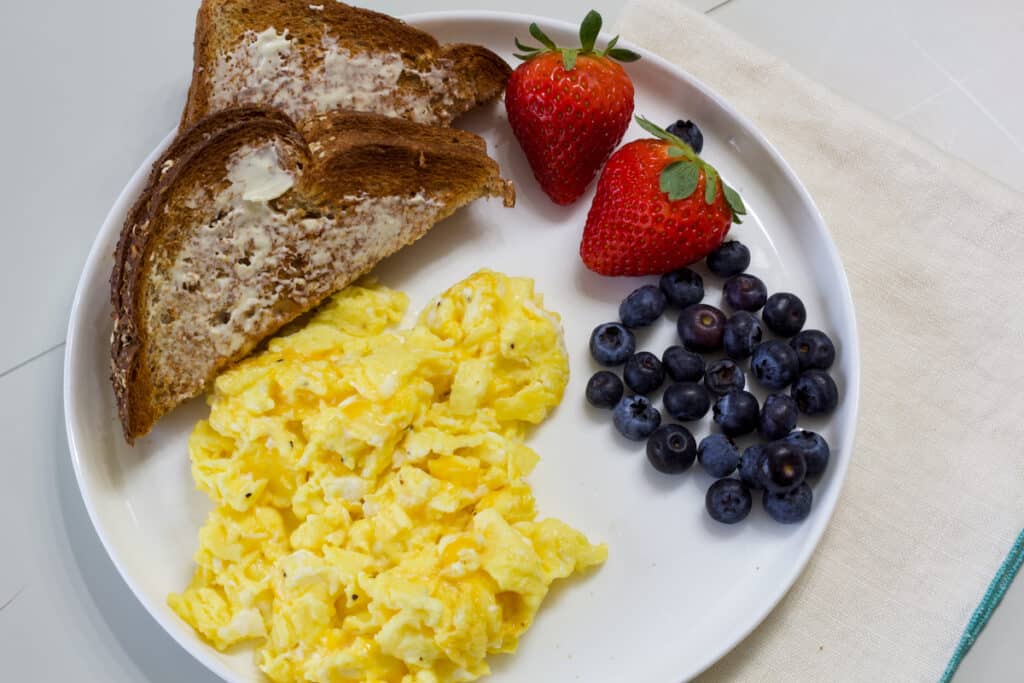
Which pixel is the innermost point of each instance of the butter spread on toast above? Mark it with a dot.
(248, 221)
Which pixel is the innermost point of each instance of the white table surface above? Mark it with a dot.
(90, 88)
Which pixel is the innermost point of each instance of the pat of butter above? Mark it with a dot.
(257, 175)
(270, 48)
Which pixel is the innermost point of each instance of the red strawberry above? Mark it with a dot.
(569, 108)
(658, 207)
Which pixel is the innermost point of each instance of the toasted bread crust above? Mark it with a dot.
(337, 156)
(130, 372)
(487, 72)
(362, 141)
(475, 74)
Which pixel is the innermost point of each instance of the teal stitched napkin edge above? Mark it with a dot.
(993, 595)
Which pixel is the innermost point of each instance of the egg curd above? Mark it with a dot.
(372, 521)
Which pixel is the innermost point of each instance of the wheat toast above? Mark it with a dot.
(248, 221)
(308, 58)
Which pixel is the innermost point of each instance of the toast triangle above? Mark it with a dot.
(248, 221)
(306, 58)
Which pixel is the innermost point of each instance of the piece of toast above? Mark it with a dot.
(307, 58)
(248, 221)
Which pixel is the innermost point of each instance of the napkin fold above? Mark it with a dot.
(934, 251)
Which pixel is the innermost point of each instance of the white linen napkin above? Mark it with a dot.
(934, 251)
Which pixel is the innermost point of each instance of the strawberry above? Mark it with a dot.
(658, 207)
(569, 108)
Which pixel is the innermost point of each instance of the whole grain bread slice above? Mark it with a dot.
(308, 58)
(248, 221)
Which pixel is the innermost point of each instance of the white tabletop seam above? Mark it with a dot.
(31, 359)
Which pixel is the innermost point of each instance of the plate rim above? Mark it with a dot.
(851, 341)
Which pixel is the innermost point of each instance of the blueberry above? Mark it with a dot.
(750, 467)
(688, 132)
(813, 447)
(686, 401)
(701, 327)
(790, 507)
(642, 307)
(784, 314)
(682, 287)
(814, 349)
(723, 376)
(682, 365)
(671, 449)
(730, 258)
(636, 418)
(736, 413)
(604, 389)
(744, 292)
(643, 372)
(611, 344)
(778, 416)
(718, 455)
(742, 333)
(815, 393)
(774, 364)
(782, 467)
(728, 501)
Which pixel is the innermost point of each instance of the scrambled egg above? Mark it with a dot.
(372, 520)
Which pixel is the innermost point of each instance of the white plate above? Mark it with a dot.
(678, 590)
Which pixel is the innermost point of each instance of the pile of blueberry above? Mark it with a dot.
(782, 460)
